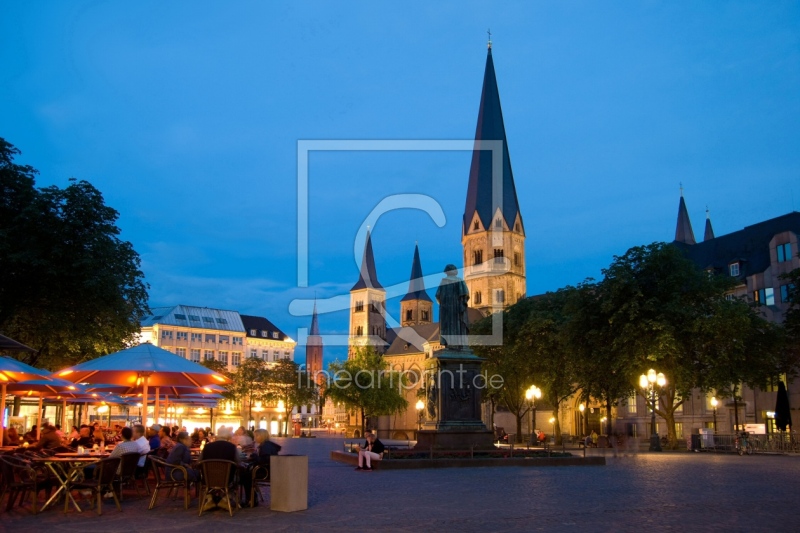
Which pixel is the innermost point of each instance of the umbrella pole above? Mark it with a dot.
(156, 410)
(39, 426)
(64, 415)
(144, 402)
(2, 410)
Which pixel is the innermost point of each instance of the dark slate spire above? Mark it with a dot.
(368, 278)
(709, 234)
(683, 232)
(416, 285)
(314, 320)
(490, 128)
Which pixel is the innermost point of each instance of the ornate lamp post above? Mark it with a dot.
(420, 406)
(532, 394)
(582, 408)
(603, 423)
(648, 382)
(714, 404)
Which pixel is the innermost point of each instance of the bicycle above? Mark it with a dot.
(743, 444)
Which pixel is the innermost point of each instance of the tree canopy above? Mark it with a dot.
(364, 384)
(71, 288)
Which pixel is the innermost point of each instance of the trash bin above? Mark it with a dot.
(697, 442)
(288, 476)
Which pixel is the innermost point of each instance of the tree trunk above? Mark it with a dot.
(608, 414)
(518, 438)
(363, 423)
(557, 424)
(735, 412)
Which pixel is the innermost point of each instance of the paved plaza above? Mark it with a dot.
(643, 492)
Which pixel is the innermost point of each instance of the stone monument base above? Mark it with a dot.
(455, 439)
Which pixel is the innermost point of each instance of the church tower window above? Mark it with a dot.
(478, 255)
(498, 255)
(477, 297)
(409, 314)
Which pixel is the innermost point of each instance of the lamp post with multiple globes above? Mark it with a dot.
(420, 406)
(649, 383)
(532, 394)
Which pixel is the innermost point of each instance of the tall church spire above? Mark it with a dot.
(492, 233)
(368, 278)
(709, 233)
(484, 196)
(683, 231)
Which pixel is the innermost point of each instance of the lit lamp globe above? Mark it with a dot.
(420, 405)
(714, 402)
(643, 382)
(661, 379)
(581, 408)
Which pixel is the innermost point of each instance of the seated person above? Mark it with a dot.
(49, 439)
(125, 446)
(222, 448)
(181, 455)
(241, 438)
(371, 451)
(166, 442)
(143, 447)
(84, 438)
(264, 448)
(152, 436)
(11, 437)
(31, 436)
(199, 437)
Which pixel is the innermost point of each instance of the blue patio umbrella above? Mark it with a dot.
(13, 371)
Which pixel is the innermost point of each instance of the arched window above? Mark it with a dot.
(409, 314)
(477, 297)
(359, 331)
(478, 257)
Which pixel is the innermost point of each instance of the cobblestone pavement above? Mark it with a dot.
(643, 492)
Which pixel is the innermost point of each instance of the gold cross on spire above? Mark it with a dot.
(489, 33)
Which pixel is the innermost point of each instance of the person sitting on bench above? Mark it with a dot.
(371, 451)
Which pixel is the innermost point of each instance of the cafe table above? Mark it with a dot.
(66, 470)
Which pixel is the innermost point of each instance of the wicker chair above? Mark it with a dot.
(127, 471)
(19, 478)
(260, 479)
(104, 479)
(169, 481)
(219, 475)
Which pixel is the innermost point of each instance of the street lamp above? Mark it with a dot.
(714, 403)
(582, 408)
(648, 382)
(420, 406)
(553, 427)
(602, 423)
(532, 394)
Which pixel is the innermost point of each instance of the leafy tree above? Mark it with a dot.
(286, 382)
(654, 297)
(70, 287)
(741, 348)
(364, 384)
(533, 353)
(248, 385)
(600, 372)
(510, 361)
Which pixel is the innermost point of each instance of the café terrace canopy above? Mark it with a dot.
(144, 365)
(13, 371)
(131, 366)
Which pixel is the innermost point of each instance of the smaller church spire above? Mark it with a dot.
(709, 233)
(314, 320)
(416, 285)
(683, 231)
(489, 44)
(368, 278)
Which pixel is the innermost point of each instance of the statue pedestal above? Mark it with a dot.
(453, 385)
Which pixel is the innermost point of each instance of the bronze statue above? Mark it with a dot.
(452, 296)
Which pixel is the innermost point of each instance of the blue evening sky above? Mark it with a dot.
(187, 115)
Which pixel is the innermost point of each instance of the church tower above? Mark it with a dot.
(709, 233)
(492, 232)
(367, 306)
(416, 307)
(683, 230)
(314, 349)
